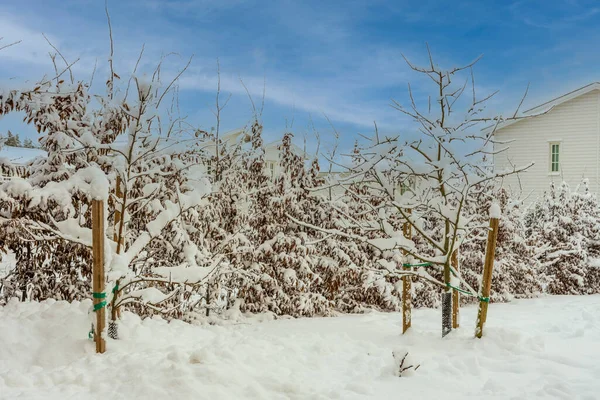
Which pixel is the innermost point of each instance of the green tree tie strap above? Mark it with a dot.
(99, 295)
(481, 298)
(427, 264)
(461, 290)
(100, 305)
(417, 265)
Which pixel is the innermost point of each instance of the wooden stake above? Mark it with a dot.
(486, 283)
(119, 195)
(455, 295)
(98, 271)
(406, 286)
(115, 312)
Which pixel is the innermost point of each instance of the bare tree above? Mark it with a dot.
(427, 182)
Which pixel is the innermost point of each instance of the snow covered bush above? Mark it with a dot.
(564, 228)
(54, 268)
(48, 265)
(274, 264)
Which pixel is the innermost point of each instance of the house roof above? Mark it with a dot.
(548, 105)
(271, 148)
(564, 98)
(20, 155)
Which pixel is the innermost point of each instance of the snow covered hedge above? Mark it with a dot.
(564, 228)
(183, 239)
(273, 264)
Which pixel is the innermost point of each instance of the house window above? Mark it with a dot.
(554, 157)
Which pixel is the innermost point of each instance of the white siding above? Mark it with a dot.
(576, 125)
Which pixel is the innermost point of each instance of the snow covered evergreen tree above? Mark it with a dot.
(27, 143)
(12, 140)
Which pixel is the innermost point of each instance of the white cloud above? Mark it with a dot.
(33, 48)
(311, 97)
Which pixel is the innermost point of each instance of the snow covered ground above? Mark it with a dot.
(20, 155)
(545, 348)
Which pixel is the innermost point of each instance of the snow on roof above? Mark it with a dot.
(565, 97)
(20, 155)
(232, 136)
(547, 106)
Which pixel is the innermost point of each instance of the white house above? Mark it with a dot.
(240, 137)
(562, 138)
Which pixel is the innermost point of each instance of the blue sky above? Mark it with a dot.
(336, 58)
